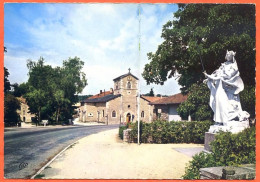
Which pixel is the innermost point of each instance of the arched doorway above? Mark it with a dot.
(128, 118)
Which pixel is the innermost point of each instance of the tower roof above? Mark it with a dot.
(125, 75)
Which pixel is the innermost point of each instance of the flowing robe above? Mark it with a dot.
(225, 85)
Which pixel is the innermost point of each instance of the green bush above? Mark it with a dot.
(171, 132)
(227, 150)
(121, 129)
(198, 161)
(233, 149)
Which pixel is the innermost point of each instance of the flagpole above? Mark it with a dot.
(139, 59)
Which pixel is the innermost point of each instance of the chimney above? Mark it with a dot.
(100, 91)
(104, 92)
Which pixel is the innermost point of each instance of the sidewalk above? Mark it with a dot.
(76, 123)
(105, 156)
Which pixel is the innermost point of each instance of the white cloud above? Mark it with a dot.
(104, 36)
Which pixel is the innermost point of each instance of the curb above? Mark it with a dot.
(46, 165)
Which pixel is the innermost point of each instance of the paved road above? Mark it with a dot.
(27, 150)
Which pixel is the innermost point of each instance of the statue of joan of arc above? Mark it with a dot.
(225, 85)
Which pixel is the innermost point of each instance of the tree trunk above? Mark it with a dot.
(39, 115)
(57, 114)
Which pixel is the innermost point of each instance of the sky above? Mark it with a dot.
(104, 36)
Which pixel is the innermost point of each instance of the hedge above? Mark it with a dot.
(121, 129)
(171, 132)
(227, 150)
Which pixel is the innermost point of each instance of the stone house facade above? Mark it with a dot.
(23, 112)
(119, 105)
(166, 108)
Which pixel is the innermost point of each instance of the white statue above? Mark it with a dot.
(225, 85)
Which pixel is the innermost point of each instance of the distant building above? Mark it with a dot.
(119, 105)
(166, 108)
(23, 112)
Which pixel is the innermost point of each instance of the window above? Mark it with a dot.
(128, 85)
(142, 114)
(129, 106)
(103, 113)
(113, 114)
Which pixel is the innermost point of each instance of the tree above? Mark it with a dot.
(11, 104)
(7, 85)
(247, 98)
(19, 90)
(151, 93)
(83, 97)
(38, 96)
(204, 31)
(53, 91)
(71, 82)
(197, 39)
(197, 104)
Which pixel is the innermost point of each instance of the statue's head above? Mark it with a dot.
(230, 56)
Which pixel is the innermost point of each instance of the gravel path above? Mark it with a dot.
(105, 156)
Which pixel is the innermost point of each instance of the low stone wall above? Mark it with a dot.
(246, 171)
(126, 135)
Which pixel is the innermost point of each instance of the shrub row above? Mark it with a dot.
(121, 129)
(227, 150)
(171, 132)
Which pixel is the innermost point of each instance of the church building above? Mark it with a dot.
(119, 105)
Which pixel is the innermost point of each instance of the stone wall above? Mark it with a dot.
(164, 112)
(113, 105)
(147, 109)
(126, 136)
(246, 171)
(93, 112)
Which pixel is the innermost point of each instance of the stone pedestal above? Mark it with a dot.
(230, 126)
(209, 137)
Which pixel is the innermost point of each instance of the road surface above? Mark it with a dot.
(28, 149)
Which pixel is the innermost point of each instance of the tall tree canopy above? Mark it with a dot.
(204, 31)
(51, 92)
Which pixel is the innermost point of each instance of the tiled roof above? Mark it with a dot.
(100, 95)
(150, 98)
(106, 98)
(174, 99)
(125, 75)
